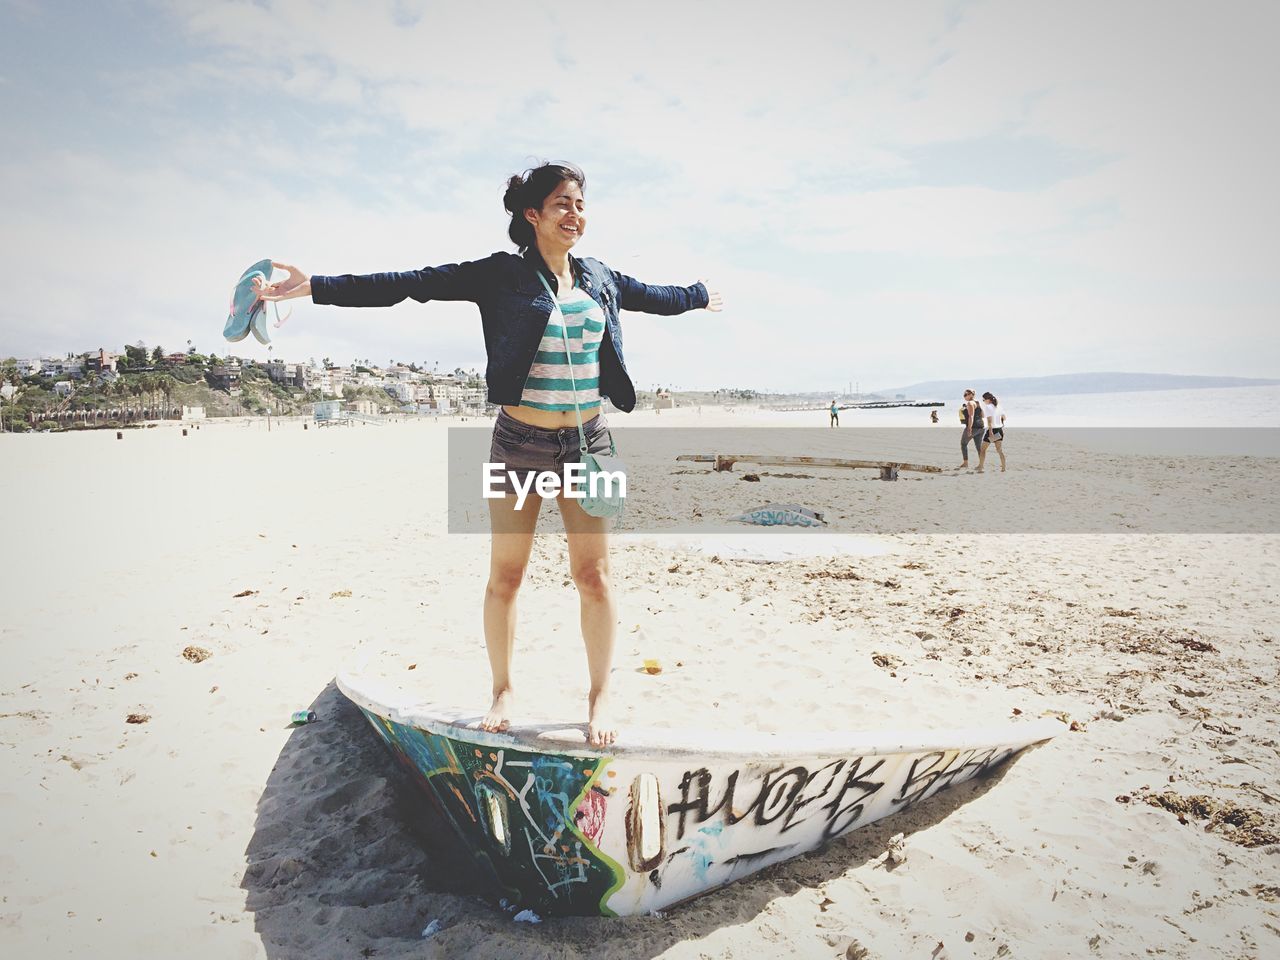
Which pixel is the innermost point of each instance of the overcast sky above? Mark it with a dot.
(884, 192)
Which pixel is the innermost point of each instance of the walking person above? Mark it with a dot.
(971, 419)
(995, 430)
(542, 371)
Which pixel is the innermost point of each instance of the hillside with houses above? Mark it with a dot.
(106, 389)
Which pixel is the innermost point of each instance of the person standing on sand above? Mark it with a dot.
(995, 430)
(971, 417)
(528, 375)
(835, 415)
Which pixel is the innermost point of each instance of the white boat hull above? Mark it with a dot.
(662, 818)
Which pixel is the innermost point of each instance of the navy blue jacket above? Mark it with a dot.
(515, 308)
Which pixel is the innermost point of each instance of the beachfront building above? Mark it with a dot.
(444, 393)
(29, 368)
(401, 392)
(663, 400)
(64, 388)
(225, 376)
(472, 399)
(102, 362)
(67, 366)
(288, 374)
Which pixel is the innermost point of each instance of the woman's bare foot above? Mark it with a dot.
(963, 466)
(499, 716)
(979, 470)
(601, 730)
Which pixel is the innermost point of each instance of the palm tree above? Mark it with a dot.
(119, 388)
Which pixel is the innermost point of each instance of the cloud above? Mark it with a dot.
(1095, 180)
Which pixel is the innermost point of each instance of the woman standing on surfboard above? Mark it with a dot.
(541, 371)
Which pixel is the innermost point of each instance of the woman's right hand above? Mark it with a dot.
(297, 284)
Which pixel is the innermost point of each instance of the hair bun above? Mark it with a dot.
(511, 200)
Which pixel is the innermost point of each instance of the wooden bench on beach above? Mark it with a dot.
(888, 469)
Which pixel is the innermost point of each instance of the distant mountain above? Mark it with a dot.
(1070, 383)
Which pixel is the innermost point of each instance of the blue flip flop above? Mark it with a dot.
(246, 311)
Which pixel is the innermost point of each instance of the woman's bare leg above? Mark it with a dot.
(510, 545)
(589, 567)
(1000, 450)
(982, 455)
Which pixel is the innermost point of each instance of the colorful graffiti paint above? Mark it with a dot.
(572, 832)
(534, 820)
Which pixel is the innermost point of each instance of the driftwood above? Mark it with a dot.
(888, 468)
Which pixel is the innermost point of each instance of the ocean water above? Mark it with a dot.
(1223, 407)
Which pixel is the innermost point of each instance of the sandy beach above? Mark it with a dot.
(169, 601)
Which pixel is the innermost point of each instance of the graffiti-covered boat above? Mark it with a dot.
(664, 816)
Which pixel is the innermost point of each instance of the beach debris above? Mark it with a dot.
(412, 666)
(652, 667)
(836, 575)
(431, 929)
(781, 514)
(886, 661)
(751, 477)
(302, 716)
(1242, 826)
(527, 916)
(243, 593)
(195, 654)
(826, 902)
(339, 593)
(128, 676)
(897, 852)
(137, 718)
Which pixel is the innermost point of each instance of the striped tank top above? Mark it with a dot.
(548, 386)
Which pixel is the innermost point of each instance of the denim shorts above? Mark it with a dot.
(528, 449)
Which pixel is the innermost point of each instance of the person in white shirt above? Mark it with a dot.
(994, 415)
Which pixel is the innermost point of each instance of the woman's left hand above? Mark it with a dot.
(715, 303)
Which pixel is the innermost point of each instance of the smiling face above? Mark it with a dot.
(562, 219)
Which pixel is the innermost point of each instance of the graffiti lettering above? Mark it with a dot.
(930, 773)
(844, 815)
(781, 795)
(802, 800)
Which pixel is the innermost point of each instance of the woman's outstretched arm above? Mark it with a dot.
(668, 301)
(453, 281)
